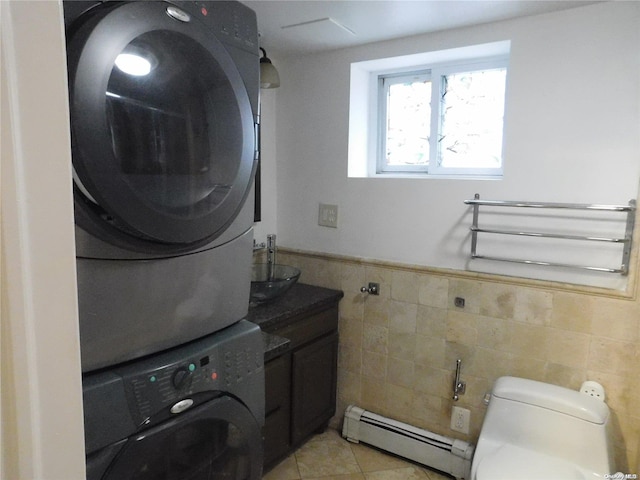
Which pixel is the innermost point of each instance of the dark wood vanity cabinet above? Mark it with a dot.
(313, 390)
(300, 383)
(277, 374)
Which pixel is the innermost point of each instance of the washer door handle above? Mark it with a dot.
(181, 406)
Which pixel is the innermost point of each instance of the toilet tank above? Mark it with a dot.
(548, 419)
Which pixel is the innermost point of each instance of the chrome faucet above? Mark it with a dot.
(271, 249)
(271, 255)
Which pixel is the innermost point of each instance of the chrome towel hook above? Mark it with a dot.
(372, 289)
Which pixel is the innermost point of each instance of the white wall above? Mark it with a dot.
(41, 434)
(571, 135)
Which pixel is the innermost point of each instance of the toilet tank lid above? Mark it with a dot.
(553, 397)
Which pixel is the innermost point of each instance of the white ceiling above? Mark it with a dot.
(306, 26)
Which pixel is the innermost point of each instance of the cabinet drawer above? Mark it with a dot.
(277, 374)
(314, 386)
(307, 329)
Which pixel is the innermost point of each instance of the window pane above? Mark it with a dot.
(408, 123)
(471, 116)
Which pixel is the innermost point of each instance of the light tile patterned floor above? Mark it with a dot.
(330, 457)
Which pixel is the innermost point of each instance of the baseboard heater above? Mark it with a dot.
(441, 453)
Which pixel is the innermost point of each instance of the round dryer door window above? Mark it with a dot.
(162, 128)
(219, 440)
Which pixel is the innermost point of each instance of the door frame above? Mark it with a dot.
(41, 387)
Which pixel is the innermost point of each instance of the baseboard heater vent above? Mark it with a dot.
(441, 453)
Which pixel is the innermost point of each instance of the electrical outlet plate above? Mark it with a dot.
(460, 419)
(328, 215)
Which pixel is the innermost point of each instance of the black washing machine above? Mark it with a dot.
(164, 111)
(191, 413)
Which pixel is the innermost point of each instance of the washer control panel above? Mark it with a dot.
(132, 397)
(218, 363)
(157, 388)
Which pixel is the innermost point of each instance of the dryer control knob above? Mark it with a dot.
(181, 378)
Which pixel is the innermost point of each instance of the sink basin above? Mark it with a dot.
(271, 281)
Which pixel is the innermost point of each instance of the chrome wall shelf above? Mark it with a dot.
(629, 210)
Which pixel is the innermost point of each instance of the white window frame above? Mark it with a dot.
(385, 81)
(436, 73)
(363, 103)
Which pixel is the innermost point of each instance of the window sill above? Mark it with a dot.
(426, 176)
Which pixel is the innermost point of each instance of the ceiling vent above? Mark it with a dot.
(326, 31)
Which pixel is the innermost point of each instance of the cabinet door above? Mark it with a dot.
(277, 374)
(314, 386)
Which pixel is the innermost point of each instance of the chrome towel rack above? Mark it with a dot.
(629, 209)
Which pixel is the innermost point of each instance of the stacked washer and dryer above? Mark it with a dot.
(164, 112)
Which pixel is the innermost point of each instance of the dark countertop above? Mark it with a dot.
(274, 345)
(300, 300)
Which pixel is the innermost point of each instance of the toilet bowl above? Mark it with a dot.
(533, 431)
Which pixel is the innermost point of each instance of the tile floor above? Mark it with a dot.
(330, 457)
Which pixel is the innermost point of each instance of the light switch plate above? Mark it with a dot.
(328, 215)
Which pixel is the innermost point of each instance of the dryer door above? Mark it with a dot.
(163, 135)
(217, 440)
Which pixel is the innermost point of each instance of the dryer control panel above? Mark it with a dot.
(233, 22)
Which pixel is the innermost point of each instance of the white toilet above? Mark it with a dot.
(536, 431)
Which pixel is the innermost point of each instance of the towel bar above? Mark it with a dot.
(551, 235)
(629, 209)
(570, 206)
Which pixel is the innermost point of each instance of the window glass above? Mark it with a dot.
(444, 120)
(408, 122)
(471, 119)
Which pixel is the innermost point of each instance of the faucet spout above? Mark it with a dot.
(271, 249)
